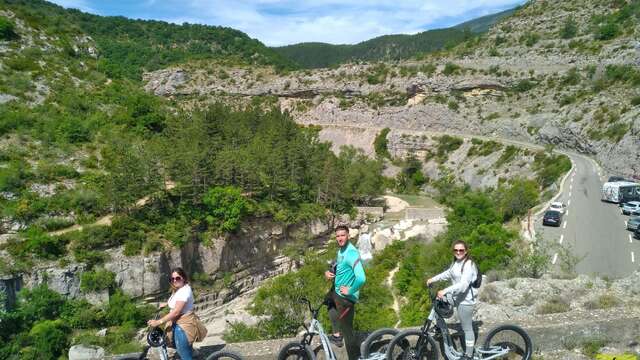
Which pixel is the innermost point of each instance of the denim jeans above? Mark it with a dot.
(182, 343)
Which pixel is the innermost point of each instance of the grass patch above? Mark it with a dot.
(605, 301)
(509, 153)
(556, 304)
(446, 145)
(483, 148)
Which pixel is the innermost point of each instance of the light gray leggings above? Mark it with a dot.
(465, 314)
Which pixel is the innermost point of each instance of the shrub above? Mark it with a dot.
(48, 340)
(483, 148)
(450, 69)
(226, 208)
(529, 38)
(569, 29)
(7, 29)
(572, 77)
(380, 144)
(97, 280)
(446, 145)
(516, 198)
(607, 31)
(123, 310)
(40, 244)
(605, 301)
(635, 101)
(616, 132)
(22, 63)
(591, 347)
(378, 75)
(524, 85)
(556, 304)
(550, 168)
(508, 154)
(567, 100)
(453, 105)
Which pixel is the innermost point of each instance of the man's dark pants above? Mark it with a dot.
(341, 312)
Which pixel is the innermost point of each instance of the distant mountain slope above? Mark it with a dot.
(129, 47)
(387, 47)
(484, 23)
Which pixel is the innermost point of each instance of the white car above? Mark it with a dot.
(558, 206)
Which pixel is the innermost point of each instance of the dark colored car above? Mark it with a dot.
(552, 218)
(616, 178)
(637, 233)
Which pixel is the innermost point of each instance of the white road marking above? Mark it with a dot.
(625, 223)
(569, 203)
(561, 238)
(633, 259)
(630, 239)
(569, 193)
(571, 187)
(564, 226)
(567, 213)
(555, 258)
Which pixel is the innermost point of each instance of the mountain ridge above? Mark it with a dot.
(388, 47)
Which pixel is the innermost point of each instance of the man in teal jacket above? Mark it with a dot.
(348, 277)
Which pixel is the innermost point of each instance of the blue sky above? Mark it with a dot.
(282, 22)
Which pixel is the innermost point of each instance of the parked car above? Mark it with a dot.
(558, 206)
(633, 223)
(616, 178)
(552, 218)
(631, 208)
(636, 233)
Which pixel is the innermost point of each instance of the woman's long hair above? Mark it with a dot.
(178, 270)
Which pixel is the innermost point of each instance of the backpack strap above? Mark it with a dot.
(355, 263)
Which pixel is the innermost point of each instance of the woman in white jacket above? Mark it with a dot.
(462, 273)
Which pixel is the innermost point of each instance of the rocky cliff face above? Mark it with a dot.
(231, 265)
(524, 80)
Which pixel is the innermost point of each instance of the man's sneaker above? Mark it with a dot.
(336, 340)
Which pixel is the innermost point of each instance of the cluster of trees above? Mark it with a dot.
(227, 164)
(387, 47)
(44, 324)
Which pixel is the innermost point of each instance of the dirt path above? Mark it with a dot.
(396, 303)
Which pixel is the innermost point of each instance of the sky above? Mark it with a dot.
(283, 22)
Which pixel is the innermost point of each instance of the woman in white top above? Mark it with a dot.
(462, 273)
(180, 303)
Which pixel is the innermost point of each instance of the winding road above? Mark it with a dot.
(593, 230)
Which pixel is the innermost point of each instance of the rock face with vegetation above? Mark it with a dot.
(555, 72)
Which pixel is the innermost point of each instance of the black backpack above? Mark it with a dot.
(478, 281)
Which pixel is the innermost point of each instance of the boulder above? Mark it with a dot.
(86, 352)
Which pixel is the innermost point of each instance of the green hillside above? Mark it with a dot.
(387, 47)
(482, 24)
(129, 47)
